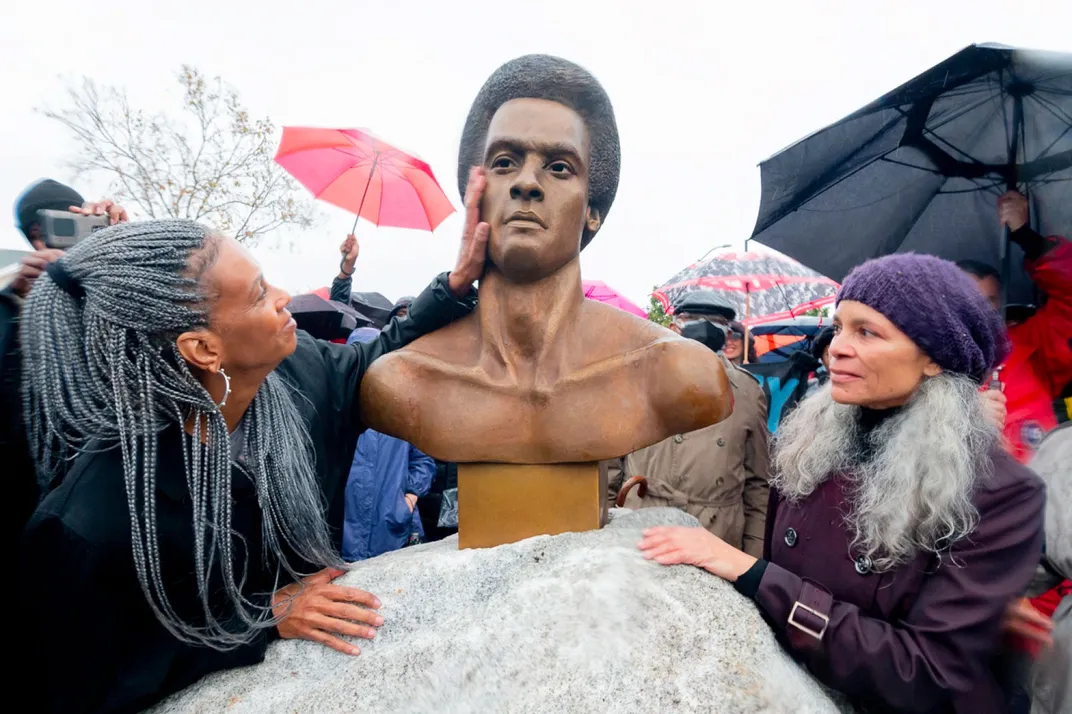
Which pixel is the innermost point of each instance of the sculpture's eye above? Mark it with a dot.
(561, 169)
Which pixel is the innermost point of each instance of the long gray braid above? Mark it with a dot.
(104, 370)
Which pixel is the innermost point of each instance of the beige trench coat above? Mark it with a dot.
(718, 474)
(1051, 678)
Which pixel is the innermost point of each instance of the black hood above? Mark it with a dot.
(402, 304)
(43, 195)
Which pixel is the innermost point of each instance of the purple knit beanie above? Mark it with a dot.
(937, 305)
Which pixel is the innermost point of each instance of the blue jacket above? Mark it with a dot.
(377, 519)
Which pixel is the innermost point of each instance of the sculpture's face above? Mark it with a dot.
(536, 200)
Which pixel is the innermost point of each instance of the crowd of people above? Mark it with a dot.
(191, 471)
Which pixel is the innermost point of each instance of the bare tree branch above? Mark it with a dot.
(209, 161)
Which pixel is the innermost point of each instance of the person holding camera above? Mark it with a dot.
(53, 217)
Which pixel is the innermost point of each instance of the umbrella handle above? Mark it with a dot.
(747, 318)
(375, 161)
(995, 380)
(642, 490)
(1015, 140)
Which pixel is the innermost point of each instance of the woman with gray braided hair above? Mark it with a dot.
(198, 446)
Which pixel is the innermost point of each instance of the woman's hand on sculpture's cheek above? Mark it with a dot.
(317, 610)
(695, 546)
(474, 248)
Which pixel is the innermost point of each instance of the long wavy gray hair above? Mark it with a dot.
(914, 494)
(103, 371)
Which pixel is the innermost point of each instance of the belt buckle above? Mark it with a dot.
(817, 634)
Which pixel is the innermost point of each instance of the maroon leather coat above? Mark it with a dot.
(919, 638)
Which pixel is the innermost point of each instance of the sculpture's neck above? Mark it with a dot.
(525, 326)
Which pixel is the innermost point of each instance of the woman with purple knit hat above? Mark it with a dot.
(898, 528)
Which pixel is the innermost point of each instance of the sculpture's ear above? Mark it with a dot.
(592, 220)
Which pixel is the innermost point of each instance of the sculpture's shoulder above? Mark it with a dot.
(674, 368)
(612, 334)
(447, 350)
(618, 328)
(688, 384)
(396, 384)
(389, 375)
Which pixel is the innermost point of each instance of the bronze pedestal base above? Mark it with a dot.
(505, 503)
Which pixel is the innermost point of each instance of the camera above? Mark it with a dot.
(62, 229)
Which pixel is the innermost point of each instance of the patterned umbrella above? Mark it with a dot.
(762, 287)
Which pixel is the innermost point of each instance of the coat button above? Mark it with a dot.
(678, 439)
(719, 481)
(721, 441)
(790, 537)
(863, 565)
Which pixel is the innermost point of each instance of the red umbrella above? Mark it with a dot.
(360, 173)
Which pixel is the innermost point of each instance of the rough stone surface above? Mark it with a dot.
(571, 623)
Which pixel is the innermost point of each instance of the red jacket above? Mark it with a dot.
(1040, 365)
(1046, 603)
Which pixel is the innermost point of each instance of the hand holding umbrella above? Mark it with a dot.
(1012, 210)
(358, 172)
(349, 250)
(918, 169)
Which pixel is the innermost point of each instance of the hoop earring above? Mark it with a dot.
(226, 389)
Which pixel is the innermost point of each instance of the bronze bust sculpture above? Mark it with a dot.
(537, 374)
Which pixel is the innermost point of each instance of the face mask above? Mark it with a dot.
(706, 333)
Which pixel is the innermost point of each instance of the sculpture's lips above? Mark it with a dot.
(526, 217)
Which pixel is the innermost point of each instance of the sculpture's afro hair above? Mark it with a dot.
(556, 80)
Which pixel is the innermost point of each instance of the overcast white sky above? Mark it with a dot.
(703, 92)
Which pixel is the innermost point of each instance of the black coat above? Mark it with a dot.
(20, 480)
(94, 644)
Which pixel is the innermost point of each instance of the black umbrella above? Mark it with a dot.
(374, 305)
(920, 169)
(325, 319)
